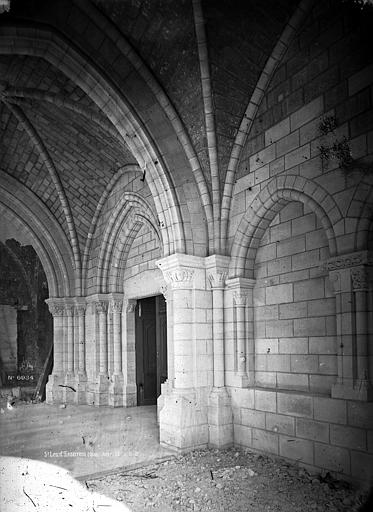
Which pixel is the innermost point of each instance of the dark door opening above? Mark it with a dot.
(151, 348)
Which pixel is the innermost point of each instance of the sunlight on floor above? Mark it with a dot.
(30, 485)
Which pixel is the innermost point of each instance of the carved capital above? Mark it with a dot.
(116, 305)
(165, 292)
(217, 278)
(240, 298)
(131, 306)
(80, 309)
(360, 279)
(180, 278)
(56, 310)
(69, 309)
(101, 307)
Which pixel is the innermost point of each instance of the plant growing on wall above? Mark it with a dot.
(333, 147)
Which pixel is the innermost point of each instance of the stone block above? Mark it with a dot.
(332, 458)
(291, 211)
(278, 131)
(297, 156)
(316, 239)
(329, 409)
(265, 441)
(321, 306)
(362, 466)
(278, 328)
(292, 381)
(360, 80)
(300, 450)
(304, 363)
(293, 345)
(266, 312)
(242, 436)
(328, 364)
(280, 424)
(314, 430)
(295, 405)
(279, 294)
(279, 265)
(310, 289)
(242, 398)
(360, 414)
(309, 326)
(307, 113)
(265, 400)
(293, 310)
(349, 437)
(292, 246)
(306, 260)
(253, 418)
(266, 346)
(303, 225)
(287, 144)
(265, 379)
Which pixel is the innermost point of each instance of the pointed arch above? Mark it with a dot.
(129, 212)
(31, 219)
(57, 51)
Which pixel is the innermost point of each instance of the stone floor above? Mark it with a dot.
(82, 439)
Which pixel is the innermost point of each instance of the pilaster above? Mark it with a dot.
(240, 294)
(350, 275)
(53, 390)
(220, 417)
(183, 417)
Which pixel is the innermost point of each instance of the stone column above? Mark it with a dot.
(53, 391)
(360, 286)
(166, 387)
(101, 397)
(183, 419)
(69, 390)
(241, 290)
(129, 354)
(349, 277)
(80, 374)
(116, 384)
(219, 407)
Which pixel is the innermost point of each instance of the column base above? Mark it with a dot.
(81, 388)
(166, 389)
(53, 393)
(115, 396)
(130, 395)
(183, 421)
(359, 390)
(220, 419)
(102, 390)
(69, 389)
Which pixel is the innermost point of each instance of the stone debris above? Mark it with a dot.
(236, 480)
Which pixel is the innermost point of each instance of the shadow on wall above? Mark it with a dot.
(26, 332)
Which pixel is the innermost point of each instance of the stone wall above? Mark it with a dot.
(298, 280)
(294, 305)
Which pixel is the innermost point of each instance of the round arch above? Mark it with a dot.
(267, 204)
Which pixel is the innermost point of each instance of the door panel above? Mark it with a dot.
(151, 348)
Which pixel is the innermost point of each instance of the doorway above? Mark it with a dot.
(151, 348)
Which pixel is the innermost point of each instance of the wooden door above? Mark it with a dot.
(151, 348)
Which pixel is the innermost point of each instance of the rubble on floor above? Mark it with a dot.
(237, 480)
